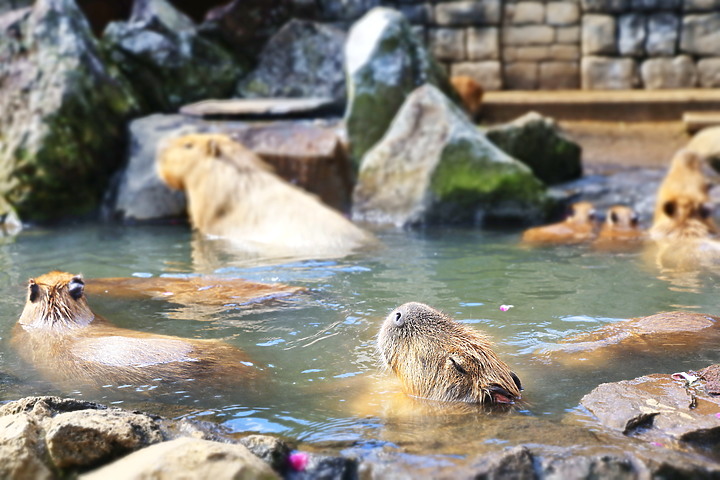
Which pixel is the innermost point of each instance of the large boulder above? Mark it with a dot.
(433, 165)
(168, 63)
(537, 141)
(304, 59)
(61, 112)
(385, 61)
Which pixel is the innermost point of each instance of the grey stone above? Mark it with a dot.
(701, 5)
(521, 75)
(700, 34)
(632, 32)
(527, 35)
(605, 6)
(271, 450)
(483, 43)
(516, 463)
(433, 165)
(167, 61)
(655, 5)
(468, 13)
(568, 35)
(537, 141)
(559, 76)
(662, 34)
(604, 73)
(303, 59)
(421, 14)
(326, 466)
(21, 448)
(565, 53)
(89, 437)
(487, 74)
(535, 53)
(384, 63)
(60, 111)
(598, 35)
(447, 43)
(709, 72)
(9, 5)
(188, 459)
(527, 13)
(562, 13)
(677, 72)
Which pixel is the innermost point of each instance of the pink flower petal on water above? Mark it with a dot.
(657, 444)
(505, 308)
(717, 415)
(298, 461)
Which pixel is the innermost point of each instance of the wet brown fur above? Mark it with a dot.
(470, 92)
(437, 358)
(68, 344)
(620, 230)
(580, 226)
(233, 194)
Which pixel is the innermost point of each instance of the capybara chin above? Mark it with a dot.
(437, 358)
(579, 226)
(233, 194)
(69, 345)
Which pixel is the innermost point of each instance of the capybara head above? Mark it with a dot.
(180, 157)
(683, 208)
(56, 300)
(620, 217)
(581, 213)
(437, 358)
(470, 92)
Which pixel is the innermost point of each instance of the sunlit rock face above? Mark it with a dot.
(433, 165)
(384, 62)
(168, 63)
(61, 112)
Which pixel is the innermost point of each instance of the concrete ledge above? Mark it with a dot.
(601, 105)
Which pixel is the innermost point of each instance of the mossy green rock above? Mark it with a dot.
(61, 113)
(434, 166)
(536, 141)
(168, 63)
(385, 61)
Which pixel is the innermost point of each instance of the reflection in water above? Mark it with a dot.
(318, 348)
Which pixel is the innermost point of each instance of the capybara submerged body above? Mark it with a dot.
(69, 345)
(579, 226)
(437, 358)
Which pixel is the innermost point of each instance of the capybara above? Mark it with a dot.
(579, 226)
(620, 230)
(470, 92)
(68, 344)
(233, 194)
(437, 358)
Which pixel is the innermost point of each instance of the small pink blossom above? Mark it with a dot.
(298, 461)
(717, 415)
(657, 444)
(505, 308)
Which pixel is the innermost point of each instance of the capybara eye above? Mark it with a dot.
(613, 217)
(458, 367)
(704, 211)
(634, 220)
(669, 209)
(592, 215)
(76, 287)
(399, 320)
(34, 291)
(188, 145)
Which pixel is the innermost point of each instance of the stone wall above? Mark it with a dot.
(564, 44)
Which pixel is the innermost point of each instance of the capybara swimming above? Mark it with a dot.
(68, 344)
(437, 358)
(579, 226)
(620, 230)
(233, 194)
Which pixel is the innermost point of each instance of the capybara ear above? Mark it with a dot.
(517, 381)
(33, 290)
(76, 287)
(213, 148)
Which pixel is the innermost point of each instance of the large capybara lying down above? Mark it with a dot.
(233, 194)
(69, 345)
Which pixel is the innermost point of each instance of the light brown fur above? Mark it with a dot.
(580, 226)
(233, 194)
(68, 344)
(437, 358)
(470, 92)
(620, 230)
(682, 208)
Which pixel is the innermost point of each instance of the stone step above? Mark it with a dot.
(696, 121)
(602, 105)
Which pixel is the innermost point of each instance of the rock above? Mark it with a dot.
(658, 409)
(260, 107)
(598, 35)
(700, 34)
(21, 449)
(385, 61)
(325, 467)
(707, 143)
(662, 34)
(677, 72)
(188, 459)
(271, 450)
(304, 59)
(9, 5)
(10, 223)
(632, 31)
(168, 63)
(538, 142)
(61, 112)
(608, 73)
(433, 165)
(311, 155)
(516, 462)
(709, 72)
(90, 437)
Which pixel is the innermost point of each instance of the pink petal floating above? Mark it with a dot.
(298, 461)
(657, 444)
(505, 308)
(717, 415)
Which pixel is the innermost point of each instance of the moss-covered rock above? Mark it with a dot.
(537, 141)
(385, 61)
(160, 52)
(61, 112)
(433, 165)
